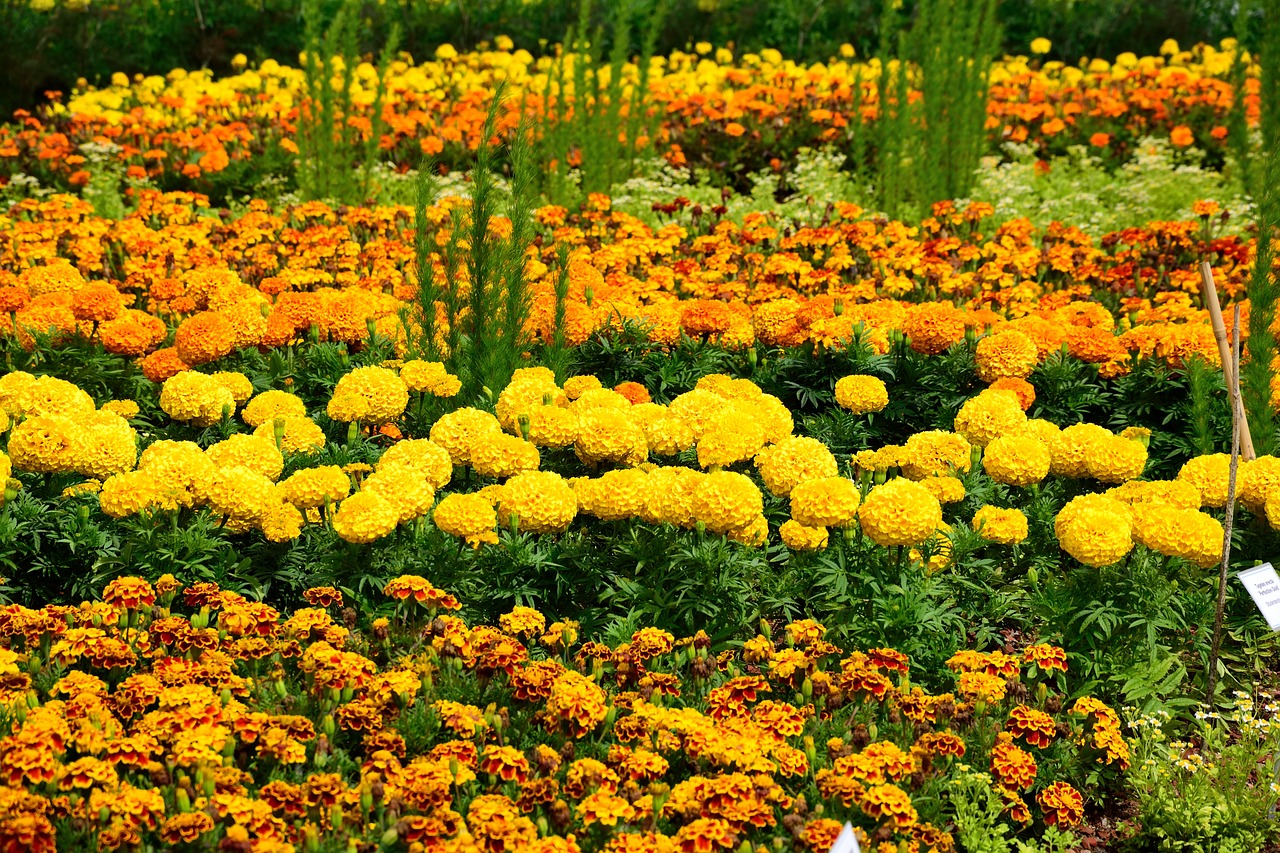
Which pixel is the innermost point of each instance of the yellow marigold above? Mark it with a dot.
(735, 436)
(698, 409)
(6, 468)
(1043, 430)
(204, 337)
(1115, 459)
(423, 457)
(552, 426)
(270, 405)
(798, 537)
(1186, 533)
(948, 490)
(43, 445)
(792, 461)
(126, 409)
(523, 622)
(1071, 449)
(599, 398)
(1094, 529)
(667, 434)
(982, 685)
(933, 453)
(409, 495)
(1002, 526)
(726, 501)
(1210, 475)
(501, 456)
(371, 395)
(129, 494)
(527, 392)
(365, 517)
(105, 444)
(900, 512)
(241, 494)
(541, 500)
(989, 415)
(615, 495)
(576, 386)
(1005, 354)
(254, 452)
(298, 435)
(49, 395)
(458, 431)
(1175, 493)
(775, 417)
(182, 466)
(282, 522)
(883, 459)
(11, 387)
(428, 377)
(1256, 480)
(861, 394)
(195, 398)
(309, 487)
(671, 496)
(1017, 459)
(237, 383)
(610, 435)
(825, 502)
(470, 517)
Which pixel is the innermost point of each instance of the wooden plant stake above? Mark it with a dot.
(1236, 413)
(1230, 367)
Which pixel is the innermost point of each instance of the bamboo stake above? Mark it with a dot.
(1230, 368)
(1236, 413)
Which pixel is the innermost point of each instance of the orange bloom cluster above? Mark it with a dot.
(278, 732)
(267, 279)
(184, 128)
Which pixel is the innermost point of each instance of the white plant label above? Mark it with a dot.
(1264, 586)
(846, 841)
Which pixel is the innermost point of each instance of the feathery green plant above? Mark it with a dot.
(1263, 290)
(336, 156)
(929, 148)
(484, 339)
(1200, 390)
(596, 112)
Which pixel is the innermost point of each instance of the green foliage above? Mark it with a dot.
(1214, 793)
(1093, 192)
(1263, 289)
(51, 49)
(978, 809)
(596, 115)
(927, 150)
(484, 337)
(336, 155)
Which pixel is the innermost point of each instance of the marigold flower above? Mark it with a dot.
(792, 461)
(1061, 804)
(469, 517)
(1002, 526)
(541, 501)
(727, 501)
(861, 394)
(371, 395)
(1016, 460)
(899, 512)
